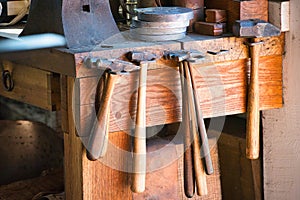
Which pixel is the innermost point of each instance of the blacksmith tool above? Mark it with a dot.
(98, 140)
(139, 141)
(161, 23)
(83, 23)
(188, 172)
(196, 124)
(254, 29)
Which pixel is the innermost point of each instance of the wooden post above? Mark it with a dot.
(85, 179)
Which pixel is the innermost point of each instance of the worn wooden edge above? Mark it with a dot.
(33, 86)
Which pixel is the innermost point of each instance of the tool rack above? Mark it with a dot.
(221, 82)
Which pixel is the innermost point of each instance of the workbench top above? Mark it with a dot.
(63, 60)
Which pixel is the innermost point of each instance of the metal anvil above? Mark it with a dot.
(83, 23)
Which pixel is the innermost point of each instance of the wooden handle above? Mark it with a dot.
(139, 142)
(98, 139)
(252, 128)
(200, 174)
(201, 126)
(188, 174)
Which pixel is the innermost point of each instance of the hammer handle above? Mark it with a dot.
(139, 142)
(200, 174)
(201, 126)
(188, 174)
(98, 139)
(252, 127)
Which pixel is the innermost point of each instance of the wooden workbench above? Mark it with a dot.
(221, 81)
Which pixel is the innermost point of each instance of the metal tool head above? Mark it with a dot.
(142, 56)
(254, 28)
(181, 55)
(115, 66)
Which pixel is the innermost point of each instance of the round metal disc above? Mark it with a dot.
(157, 38)
(164, 14)
(157, 31)
(144, 24)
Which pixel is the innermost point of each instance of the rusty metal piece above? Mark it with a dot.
(7, 79)
(138, 56)
(181, 55)
(83, 23)
(165, 14)
(115, 66)
(254, 28)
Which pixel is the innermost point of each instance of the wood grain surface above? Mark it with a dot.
(241, 10)
(222, 87)
(30, 83)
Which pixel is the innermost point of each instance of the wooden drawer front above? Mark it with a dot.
(33, 86)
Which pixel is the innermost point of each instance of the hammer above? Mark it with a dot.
(254, 29)
(192, 118)
(98, 140)
(139, 141)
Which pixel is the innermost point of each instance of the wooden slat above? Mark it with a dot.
(279, 14)
(33, 86)
(86, 179)
(107, 178)
(73, 154)
(222, 87)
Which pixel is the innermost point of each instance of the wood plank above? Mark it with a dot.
(30, 83)
(107, 178)
(279, 14)
(64, 103)
(222, 87)
(86, 179)
(73, 154)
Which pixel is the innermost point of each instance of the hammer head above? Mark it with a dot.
(141, 56)
(254, 28)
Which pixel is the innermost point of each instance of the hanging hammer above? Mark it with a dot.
(254, 29)
(192, 119)
(139, 141)
(98, 140)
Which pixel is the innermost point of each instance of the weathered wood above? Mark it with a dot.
(30, 83)
(256, 9)
(64, 104)
(279, 14)
(73, 154)
(222, 88)
(104, 179)
(281, 126)
(86, 179)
